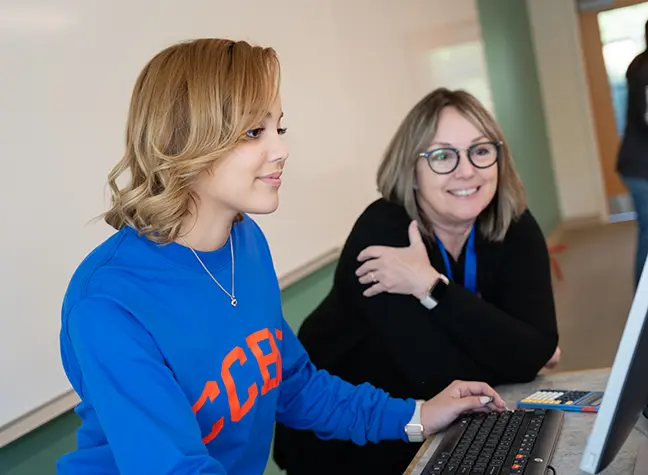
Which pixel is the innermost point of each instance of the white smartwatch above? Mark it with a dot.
(436, 292)
(414, 429)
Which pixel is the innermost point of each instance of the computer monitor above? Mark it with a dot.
(626, 392)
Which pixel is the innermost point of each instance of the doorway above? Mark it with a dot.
(611, 37)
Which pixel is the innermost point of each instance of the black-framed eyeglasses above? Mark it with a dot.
(446, 160)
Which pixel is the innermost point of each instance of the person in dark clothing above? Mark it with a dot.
(445, 277)
(632, 162)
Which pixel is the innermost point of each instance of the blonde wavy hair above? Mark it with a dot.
(396, 174)
(191, 105)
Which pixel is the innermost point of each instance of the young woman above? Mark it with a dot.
(445, 277)
(172, 332)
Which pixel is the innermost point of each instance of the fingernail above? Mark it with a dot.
(485, 399)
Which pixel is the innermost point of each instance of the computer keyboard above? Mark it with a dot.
(512, 443)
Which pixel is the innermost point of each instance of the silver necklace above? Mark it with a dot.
(231, 296)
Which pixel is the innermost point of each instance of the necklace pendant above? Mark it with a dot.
(234, 302)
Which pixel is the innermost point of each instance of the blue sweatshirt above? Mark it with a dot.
(175, 380)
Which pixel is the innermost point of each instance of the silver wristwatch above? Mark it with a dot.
(414, 429)
(435, 292)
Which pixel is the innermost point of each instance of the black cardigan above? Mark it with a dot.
(505, 334)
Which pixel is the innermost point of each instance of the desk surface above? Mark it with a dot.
(576, 426)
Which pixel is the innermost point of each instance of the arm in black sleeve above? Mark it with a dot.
(517, 334)
(415, 341)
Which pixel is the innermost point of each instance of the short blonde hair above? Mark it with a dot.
(396, 174)
(191, 104)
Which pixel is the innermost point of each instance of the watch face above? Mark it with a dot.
(415, 432)
(438, 291)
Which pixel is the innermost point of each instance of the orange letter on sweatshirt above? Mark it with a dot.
(235, 405)
(210, 392)
(266, 360)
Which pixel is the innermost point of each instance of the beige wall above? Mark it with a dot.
(570, 125)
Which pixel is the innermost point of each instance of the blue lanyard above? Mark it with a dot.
(470, 267)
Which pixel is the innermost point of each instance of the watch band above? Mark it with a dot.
(436, 292)
(414, 429)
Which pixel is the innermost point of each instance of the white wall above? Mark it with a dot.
(570, 123)
(390, 54)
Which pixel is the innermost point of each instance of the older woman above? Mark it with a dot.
(445, 277)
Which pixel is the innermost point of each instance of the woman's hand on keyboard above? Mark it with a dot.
(461, 396)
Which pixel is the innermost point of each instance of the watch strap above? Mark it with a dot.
(414, 428)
